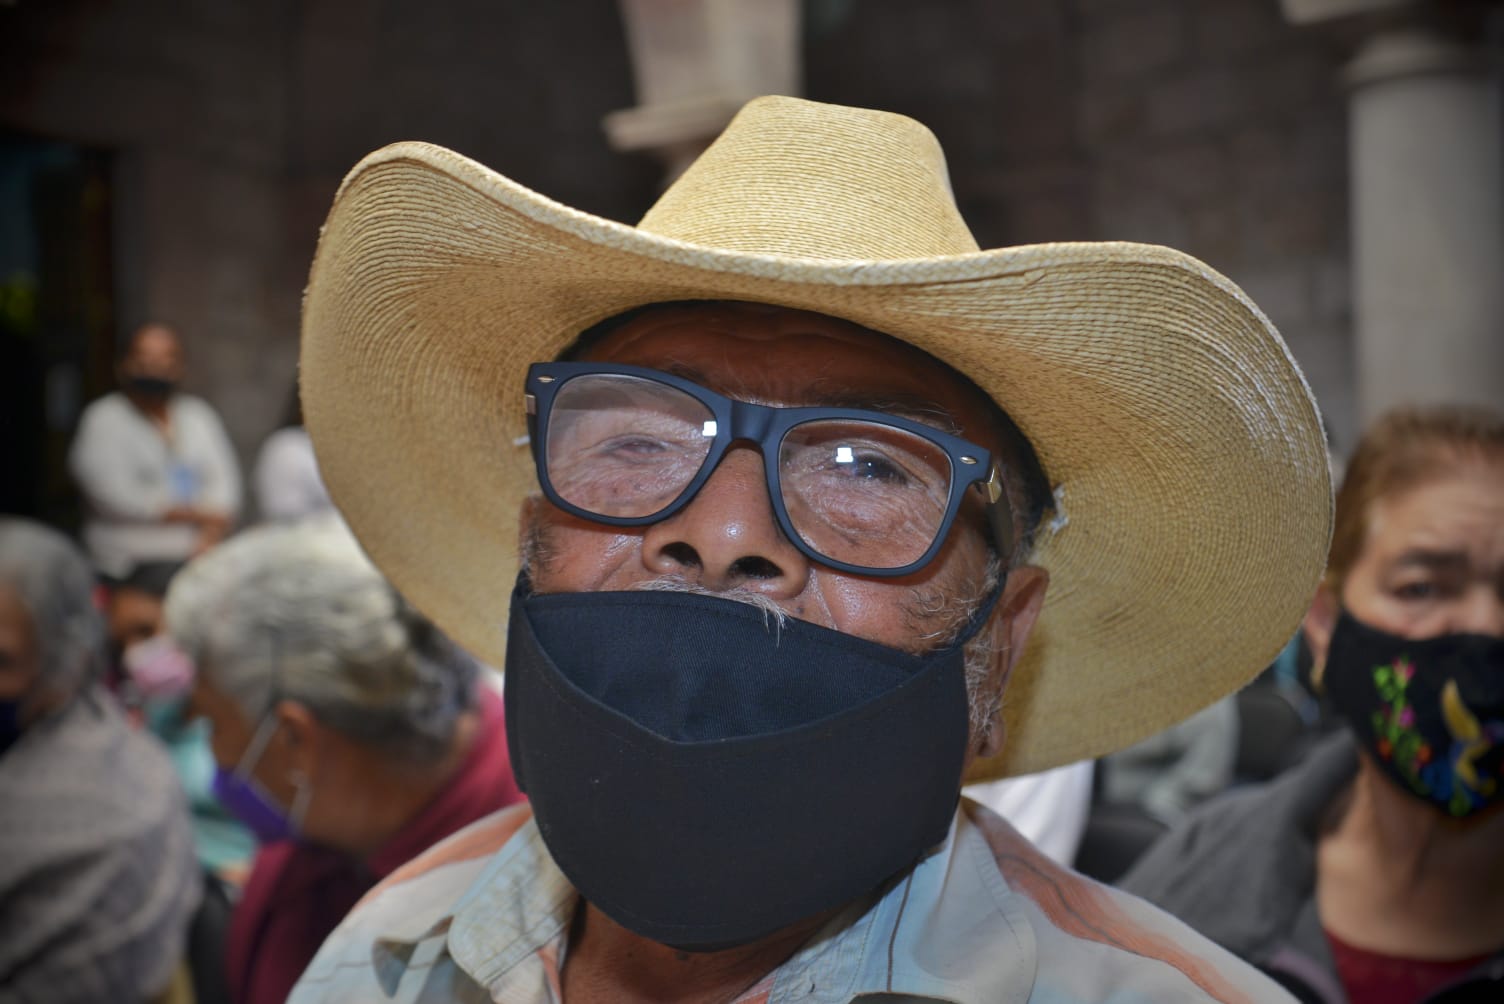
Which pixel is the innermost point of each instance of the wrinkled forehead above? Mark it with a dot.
(1458, 512)
(780, 356)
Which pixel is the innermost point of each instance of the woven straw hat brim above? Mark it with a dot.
(1193, 491)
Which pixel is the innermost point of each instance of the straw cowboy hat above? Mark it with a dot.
(1193, 495)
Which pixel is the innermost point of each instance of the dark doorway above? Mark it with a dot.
(56, 315)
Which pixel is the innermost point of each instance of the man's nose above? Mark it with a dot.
(728, 534)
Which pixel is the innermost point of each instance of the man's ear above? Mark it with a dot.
(1022, 601)
(1017, 612)
(1319, 622)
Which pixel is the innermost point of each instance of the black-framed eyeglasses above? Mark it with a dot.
(857, 490)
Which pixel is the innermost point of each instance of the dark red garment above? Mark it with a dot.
(1390, 979)
(298, 893)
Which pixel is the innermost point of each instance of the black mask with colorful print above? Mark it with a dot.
(1429, 712)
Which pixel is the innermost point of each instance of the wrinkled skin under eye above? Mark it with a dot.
(884, 533)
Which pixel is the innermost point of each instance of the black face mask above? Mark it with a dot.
(151, 386)
(705, 777)
(1430, 713)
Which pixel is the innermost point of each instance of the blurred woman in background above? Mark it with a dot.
(151, 679)
(97, 874)
(349, 733)
(1374, 871)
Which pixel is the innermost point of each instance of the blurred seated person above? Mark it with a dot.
(1373, 871)
(157, 473)
(133, 614)
(152, 678)
(97, 877)
(350, 734)
(287, 480)
(1171, 772)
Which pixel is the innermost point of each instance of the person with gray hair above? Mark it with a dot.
(350, 734)
(98, 880)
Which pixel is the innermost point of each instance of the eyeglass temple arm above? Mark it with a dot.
(999, 513)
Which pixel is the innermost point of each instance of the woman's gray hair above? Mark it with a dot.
(298, 612)
(56, 585)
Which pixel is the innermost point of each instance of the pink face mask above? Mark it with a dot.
(158, 667)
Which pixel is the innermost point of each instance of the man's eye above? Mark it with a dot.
(633, 446)
(872, 467)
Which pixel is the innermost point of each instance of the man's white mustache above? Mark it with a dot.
(674, 582)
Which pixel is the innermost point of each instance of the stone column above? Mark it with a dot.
(695, 62)
(1427, 222)
(1427, 204)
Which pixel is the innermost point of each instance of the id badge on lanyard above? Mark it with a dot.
(182, 482)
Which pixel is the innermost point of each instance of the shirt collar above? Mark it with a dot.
(950, 930)
(520, 903)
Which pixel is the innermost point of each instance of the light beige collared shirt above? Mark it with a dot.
(485, 915)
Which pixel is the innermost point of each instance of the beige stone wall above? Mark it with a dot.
(232, 123)
(1211, 126)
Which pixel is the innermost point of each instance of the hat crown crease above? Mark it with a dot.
(802, 179)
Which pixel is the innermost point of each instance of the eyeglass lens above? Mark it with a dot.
(863, 493)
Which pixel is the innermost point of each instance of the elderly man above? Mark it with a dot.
(97, 874)
(812, 471)
(157, 472)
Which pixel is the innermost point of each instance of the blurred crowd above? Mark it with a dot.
(214, 745)
(217, 734)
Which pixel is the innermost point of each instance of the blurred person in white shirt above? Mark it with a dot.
(286, 481)
(157, 473)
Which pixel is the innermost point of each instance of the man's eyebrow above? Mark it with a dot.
(683, 372)
(914, 407)
(911, 406)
